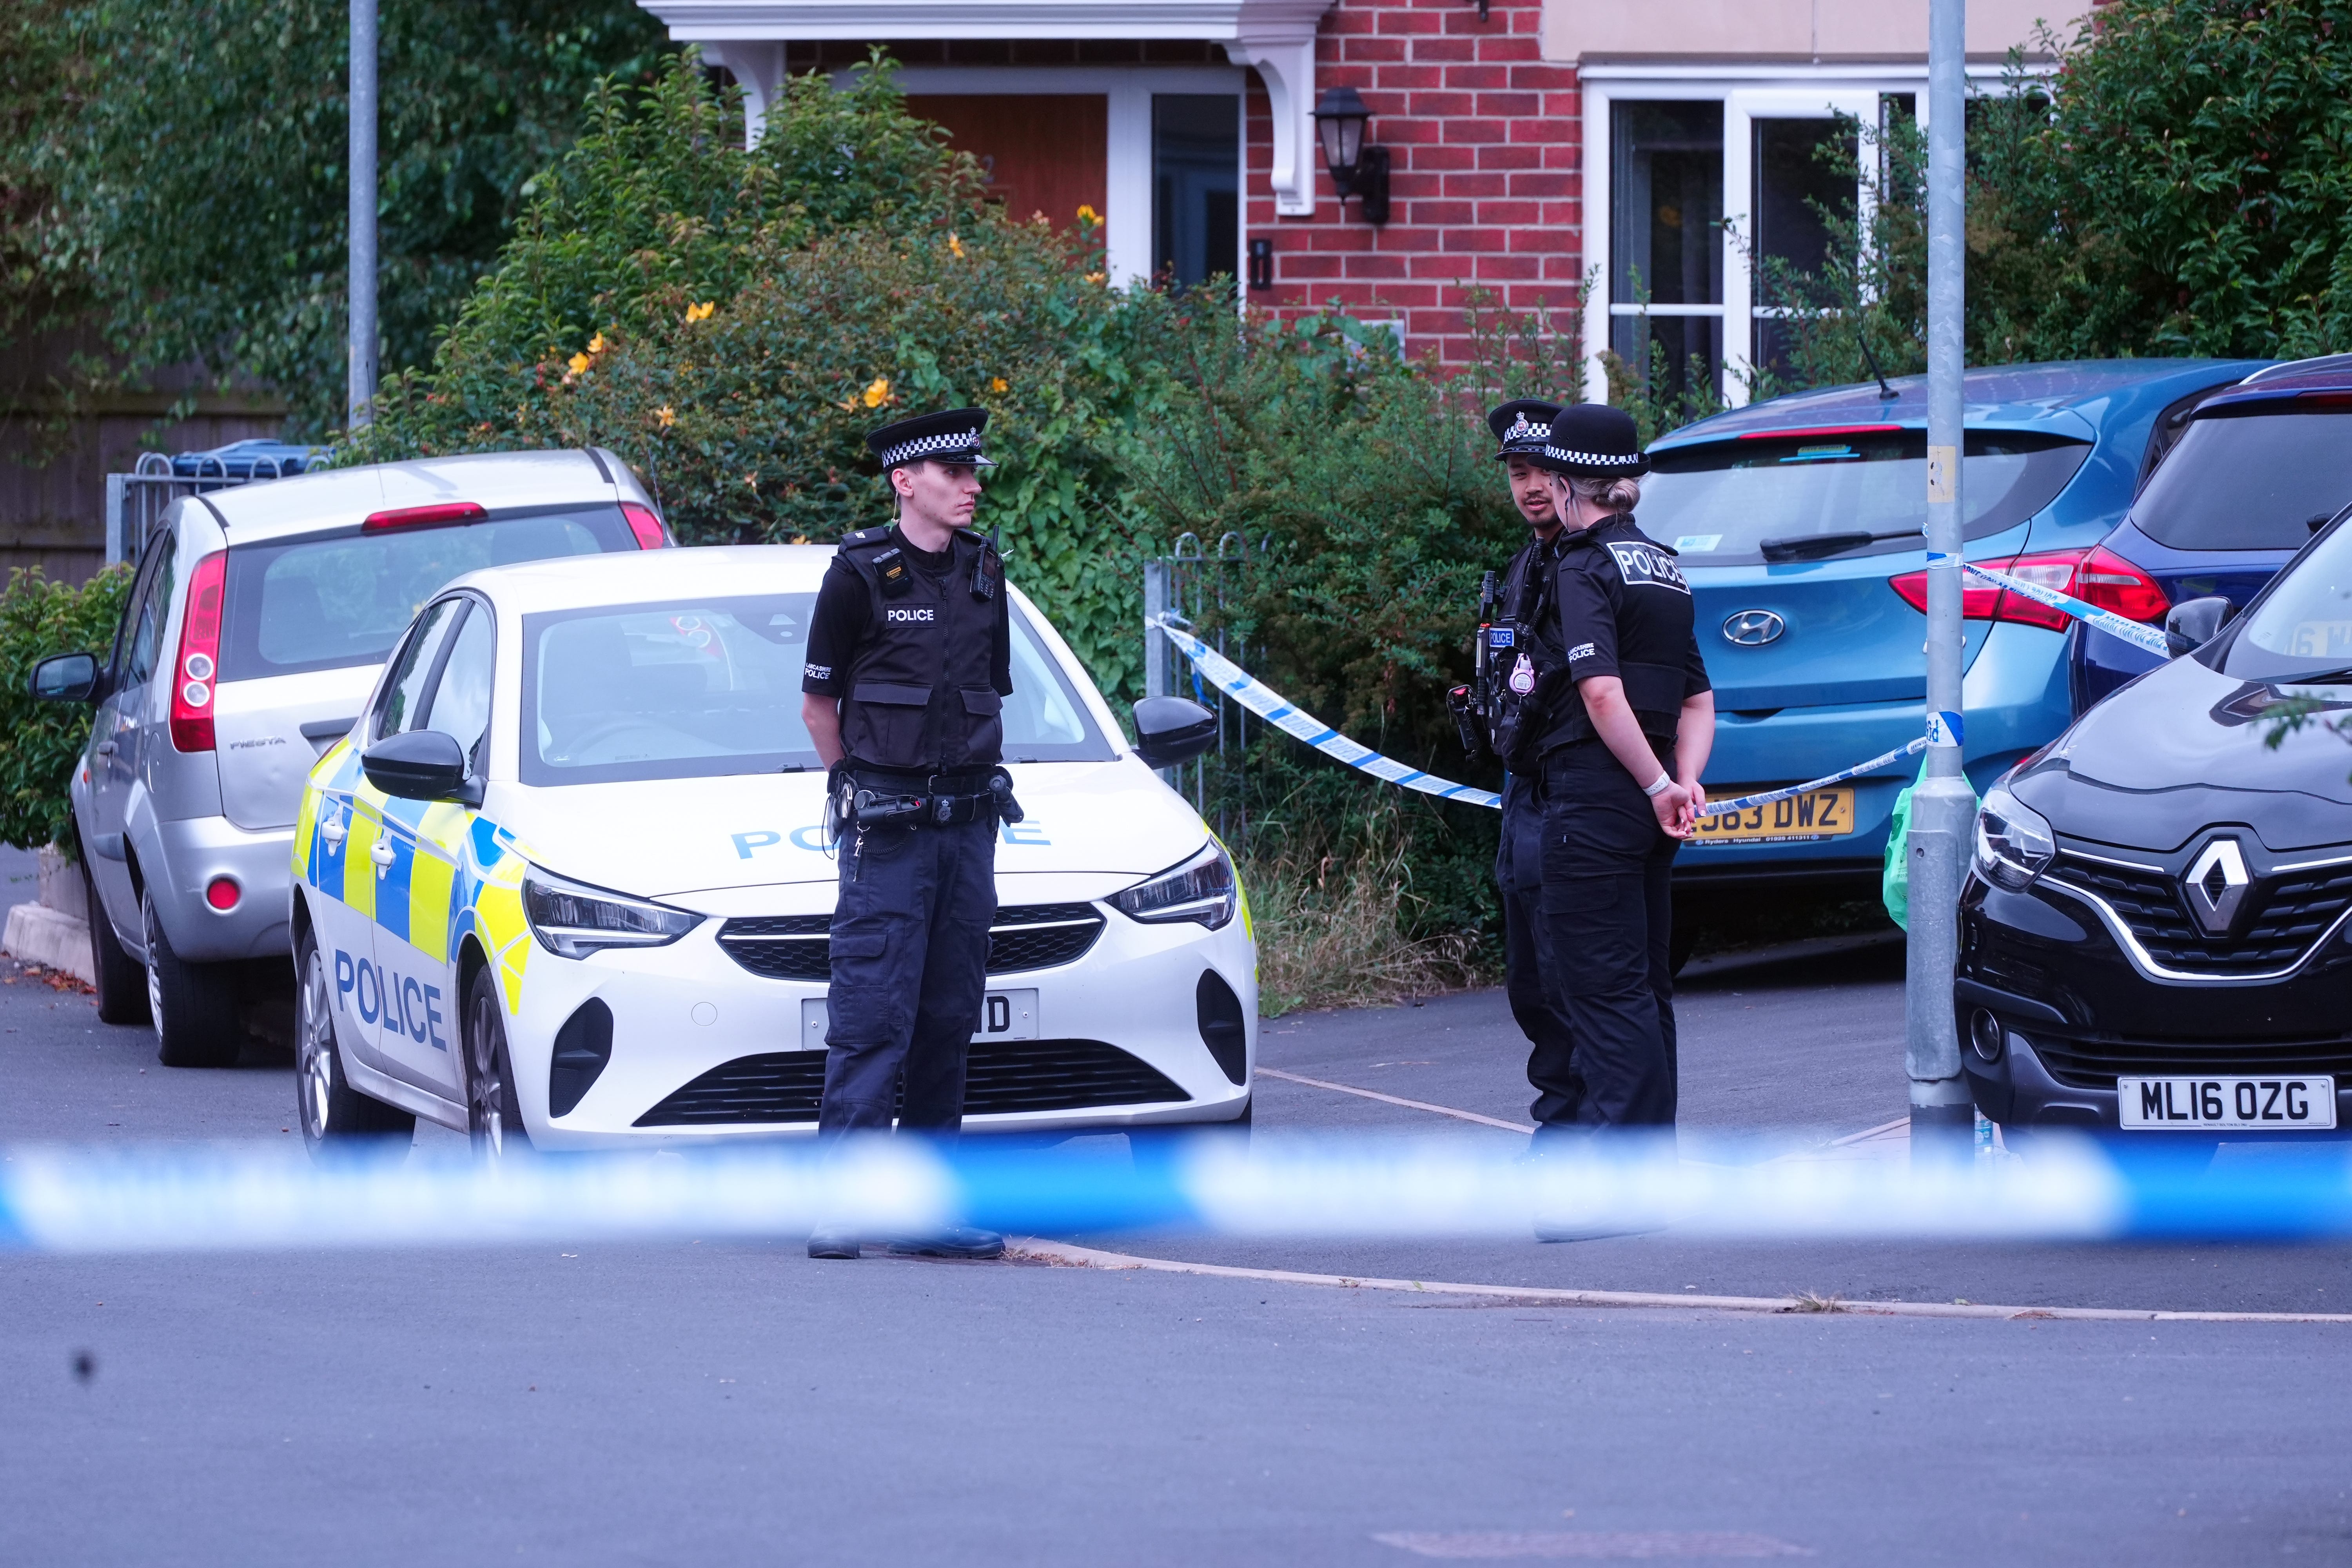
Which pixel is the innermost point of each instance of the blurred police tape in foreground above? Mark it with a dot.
(230, 1198)
(1275, 709)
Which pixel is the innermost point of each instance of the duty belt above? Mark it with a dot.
(869, 797)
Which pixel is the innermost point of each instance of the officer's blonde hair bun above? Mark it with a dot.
(1619, 494)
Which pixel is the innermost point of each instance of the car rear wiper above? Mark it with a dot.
(1816, 546)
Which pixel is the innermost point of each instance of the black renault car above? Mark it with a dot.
(2154, 927)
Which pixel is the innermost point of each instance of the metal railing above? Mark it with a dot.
(1186, 584)
(135, 502)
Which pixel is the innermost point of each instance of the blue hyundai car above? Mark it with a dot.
(1798, 524)
(2255, 471)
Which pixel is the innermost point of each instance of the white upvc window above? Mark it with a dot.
(1692, 171)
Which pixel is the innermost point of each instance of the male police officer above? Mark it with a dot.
(1630, 736)
(909, 661)
(1523, 658)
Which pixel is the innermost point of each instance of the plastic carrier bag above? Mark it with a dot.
(1894, 877)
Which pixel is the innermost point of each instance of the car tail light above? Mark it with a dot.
(196, 674)
(2100, 578)
(220, 893)
(2112, 583)
(440, 515)
(646, 525)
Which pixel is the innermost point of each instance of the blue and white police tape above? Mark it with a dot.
(227, 1198)
(1942, 729)
(2133, 632)
(1884, 759)
(1278, 711)
(1275, 709)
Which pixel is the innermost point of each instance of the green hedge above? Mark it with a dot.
(733, 323)
(39, 617)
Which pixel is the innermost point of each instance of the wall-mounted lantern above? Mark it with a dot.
(1261, 264)
(1357, 170)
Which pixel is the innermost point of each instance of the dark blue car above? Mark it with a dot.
(1797, 523)
(2255, 469)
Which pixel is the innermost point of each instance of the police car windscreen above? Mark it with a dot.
(342, 599)
(1717, 503)
(700, 688)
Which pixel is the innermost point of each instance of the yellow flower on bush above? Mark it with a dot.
(579, 363)
(878, 393)
(1098, 276)
(596, 345)
(1087, 213)
(700, 312)
(955, 247)
(998, 383)
(668, 415)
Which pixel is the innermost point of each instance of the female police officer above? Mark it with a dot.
(1630, 735)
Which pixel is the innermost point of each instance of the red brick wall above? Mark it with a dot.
(1485, 144)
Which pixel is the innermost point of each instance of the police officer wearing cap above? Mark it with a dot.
(1629, 736)
(1519, 650)
(909, 661)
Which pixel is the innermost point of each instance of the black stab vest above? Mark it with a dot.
(1527, 665)
(1655, 620)
(919, 689)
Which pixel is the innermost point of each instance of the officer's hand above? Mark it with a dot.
(1672, 805)
(1697, 792)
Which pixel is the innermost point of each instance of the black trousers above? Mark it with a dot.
(1530, 978)
(910, 973)
(1608, 908)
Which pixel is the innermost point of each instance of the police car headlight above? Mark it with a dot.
(574, 920)
(1202, 888)
(2014, 843)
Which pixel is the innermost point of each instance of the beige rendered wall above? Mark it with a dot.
(1785, 29)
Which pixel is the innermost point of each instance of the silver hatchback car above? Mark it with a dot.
(254, 631)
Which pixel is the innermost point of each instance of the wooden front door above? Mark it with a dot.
(1045, 152)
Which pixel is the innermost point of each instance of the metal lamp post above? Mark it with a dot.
(361, 388)
(1943, 806)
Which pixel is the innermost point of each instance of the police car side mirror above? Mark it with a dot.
(420, 765)
(66, 678)
(2192, 623)
(1172, 730)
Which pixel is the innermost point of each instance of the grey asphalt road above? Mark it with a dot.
(704, 1403)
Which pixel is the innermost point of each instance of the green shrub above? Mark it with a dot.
(39, 617)
(1370, 483)
(732, 322)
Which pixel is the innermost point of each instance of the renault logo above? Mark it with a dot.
(2216, 884)
(1753, 629)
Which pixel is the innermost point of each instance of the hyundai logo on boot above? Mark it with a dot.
(1753, 629)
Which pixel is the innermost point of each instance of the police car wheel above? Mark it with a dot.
(493, 1109)
(198, 1022)
(331, 1111)
(122, 984)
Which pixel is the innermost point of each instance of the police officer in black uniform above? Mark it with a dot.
(1523, 658)
(1629, 736)
(909, 661)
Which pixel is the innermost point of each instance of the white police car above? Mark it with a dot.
(567, 879)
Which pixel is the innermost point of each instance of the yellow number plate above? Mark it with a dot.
(1823, 814)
